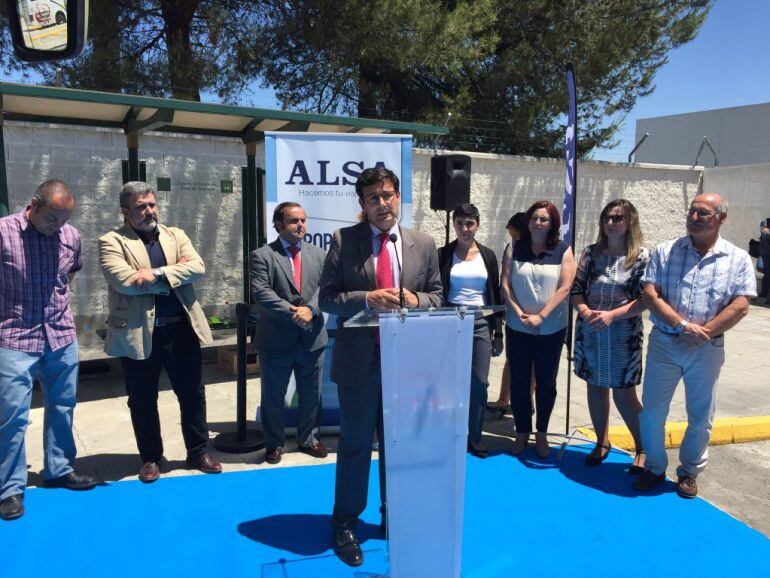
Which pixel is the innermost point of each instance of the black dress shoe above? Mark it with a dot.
(12, 507)
(347, 549)
(72, 481)
(478, 449)
(383, 520)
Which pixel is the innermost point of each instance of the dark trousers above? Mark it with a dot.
(360, 417)
(482, 353)
(524, 350)
(176, 349)
(765, 292)
(276, 371)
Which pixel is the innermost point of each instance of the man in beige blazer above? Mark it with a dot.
(155, 322)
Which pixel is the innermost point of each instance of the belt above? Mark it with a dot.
(161, 321)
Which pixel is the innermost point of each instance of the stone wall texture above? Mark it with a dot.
(90, 160)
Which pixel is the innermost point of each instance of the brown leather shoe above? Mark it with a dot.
(149, 472)
(648, 480)
(686, 487)
(317, 450)
(273, 456)
(204, 462)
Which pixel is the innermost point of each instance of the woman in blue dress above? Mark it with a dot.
(608, 332)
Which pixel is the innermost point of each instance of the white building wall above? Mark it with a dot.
(90, 160)
(747, 190)
(740, 135)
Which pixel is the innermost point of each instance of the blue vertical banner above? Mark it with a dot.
(568, 212)
(570, 155)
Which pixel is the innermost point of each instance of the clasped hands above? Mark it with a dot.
(145, 278)
(598, 320)
(388, 300)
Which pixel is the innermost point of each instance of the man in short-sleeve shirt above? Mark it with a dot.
(697, 287)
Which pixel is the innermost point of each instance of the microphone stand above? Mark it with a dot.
(402, 301)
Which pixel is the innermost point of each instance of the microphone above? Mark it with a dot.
(401, 299)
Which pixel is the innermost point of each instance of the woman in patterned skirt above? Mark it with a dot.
(608, 333)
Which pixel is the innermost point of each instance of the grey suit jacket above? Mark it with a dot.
(348, 274)
(273, 289)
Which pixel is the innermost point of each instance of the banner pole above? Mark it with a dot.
(569, 213)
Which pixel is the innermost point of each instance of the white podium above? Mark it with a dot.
(426, 372)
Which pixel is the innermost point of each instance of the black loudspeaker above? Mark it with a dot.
(450, 181)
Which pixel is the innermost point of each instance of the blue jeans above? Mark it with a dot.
(58, 375)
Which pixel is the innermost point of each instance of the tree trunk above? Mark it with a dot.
(184, 72)
(367, 92)
(105, 62)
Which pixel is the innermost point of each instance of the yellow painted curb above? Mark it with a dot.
(726, 430)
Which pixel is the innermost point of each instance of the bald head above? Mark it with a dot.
(716, 201)
(51, 207)
(45, 194)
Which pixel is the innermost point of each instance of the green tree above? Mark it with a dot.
(169, 48)
(497, 65)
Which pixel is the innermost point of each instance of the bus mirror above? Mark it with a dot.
(47, 29)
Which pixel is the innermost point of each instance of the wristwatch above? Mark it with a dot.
(158, 272)
(681, 326)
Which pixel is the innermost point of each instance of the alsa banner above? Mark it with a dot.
(319, 171)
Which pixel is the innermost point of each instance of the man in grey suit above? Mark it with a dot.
(290, 333)
(361, 272)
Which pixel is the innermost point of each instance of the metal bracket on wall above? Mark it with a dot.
(161, 117)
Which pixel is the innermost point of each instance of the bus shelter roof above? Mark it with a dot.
(137, 114)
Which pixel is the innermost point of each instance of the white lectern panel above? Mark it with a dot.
(426, 370)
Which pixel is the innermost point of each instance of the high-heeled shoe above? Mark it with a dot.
(497, 410)
(594, 460)
(635, 470)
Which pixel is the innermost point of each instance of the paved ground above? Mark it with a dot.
(736, 479)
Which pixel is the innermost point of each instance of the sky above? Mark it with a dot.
(727, 64)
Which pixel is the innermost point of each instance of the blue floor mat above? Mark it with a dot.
(523, 517)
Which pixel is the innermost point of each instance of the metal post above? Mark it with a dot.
(4, 202)
(243, 440)
(132, 140)
(641, 140)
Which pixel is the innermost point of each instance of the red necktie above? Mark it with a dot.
(294, 251)
(384, 268)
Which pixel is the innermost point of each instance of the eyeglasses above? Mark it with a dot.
(618, 219)
(374, 200)
(701, 213)
(535, 219)
(468, 224)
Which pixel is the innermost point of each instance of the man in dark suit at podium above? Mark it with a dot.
(290, 334)
(361, 272)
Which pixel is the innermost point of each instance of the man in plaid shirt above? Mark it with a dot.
(39, 255)
(697, 287)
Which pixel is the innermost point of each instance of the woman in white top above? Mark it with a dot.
(536, 283)
(470, 276)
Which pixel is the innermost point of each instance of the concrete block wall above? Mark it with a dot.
(90, 160)
(502, 185)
